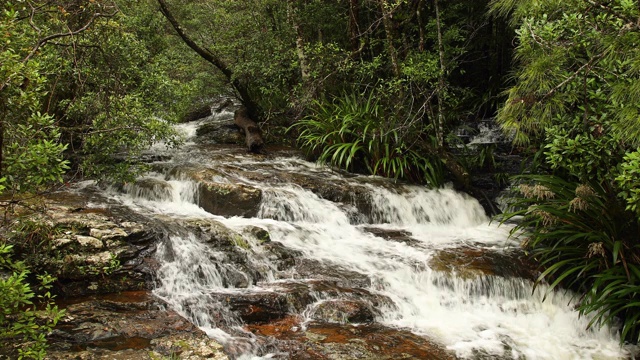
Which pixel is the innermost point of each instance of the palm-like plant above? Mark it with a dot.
(583, 239)
(353, 132)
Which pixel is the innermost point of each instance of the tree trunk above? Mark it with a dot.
(354, 28)
(241, 88)
(1, 145)
(420, 25)
(388, 28)
(441, 80)
(252, 132)
(302, 57)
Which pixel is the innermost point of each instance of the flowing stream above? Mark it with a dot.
(472, 314)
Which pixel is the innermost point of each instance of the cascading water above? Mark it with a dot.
(482, 316)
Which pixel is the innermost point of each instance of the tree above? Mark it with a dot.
(77, 88)
(30, 151)
(575, 59)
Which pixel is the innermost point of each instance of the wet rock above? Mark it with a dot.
(232, 244)
(312, 269)
(283, 257)
(218, 196)
(236, 253)
(469, 263)
(343, 341)
(328, 188)
(393, 235)
(260, 234)
(229, 199)
(341, 305)
(198, 112)
(214, 232)
(256, 307)
(343, 311)
(149, 188)
(234, 278)
(127, 326)
(219, 133)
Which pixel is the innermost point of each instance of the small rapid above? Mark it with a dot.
(479, 316)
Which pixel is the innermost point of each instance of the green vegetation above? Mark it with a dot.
(575, 98)
(584, 239)
(357, 135)
(372, 86)
(20, 318)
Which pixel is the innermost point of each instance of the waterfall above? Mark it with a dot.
(480, 316)
(489, 314)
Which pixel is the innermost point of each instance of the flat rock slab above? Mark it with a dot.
(129, 325)
(344, 341)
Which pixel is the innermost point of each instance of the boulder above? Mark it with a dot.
(469, 263)
(201, 111)
(229, 199)
(217, 195)
(343, 311)
(129, 325)
(219, 133)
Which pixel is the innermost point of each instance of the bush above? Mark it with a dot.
(20, 320)
(584, 239)
(629, 181)
(353, 133)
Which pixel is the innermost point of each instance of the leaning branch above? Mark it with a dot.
(241, 88)
(204, 53)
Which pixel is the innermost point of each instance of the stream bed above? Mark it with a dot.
(277, 257)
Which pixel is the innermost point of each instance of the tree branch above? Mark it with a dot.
(241, 88)
(46, 39)
(204, 53)
(572, 76)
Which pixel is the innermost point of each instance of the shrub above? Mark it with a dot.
(629, 181)
(353, 133)
(584, 239)
(20, 320)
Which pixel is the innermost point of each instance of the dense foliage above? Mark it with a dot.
(84, 88)
(84, 85)
(356, 135)
(20, 318)
(575, 98)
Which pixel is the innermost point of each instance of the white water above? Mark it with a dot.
(466, 315)
(487, 315)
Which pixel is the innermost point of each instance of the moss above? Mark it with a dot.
(219, 188)
(240, 242)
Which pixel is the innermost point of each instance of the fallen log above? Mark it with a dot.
(253, 135)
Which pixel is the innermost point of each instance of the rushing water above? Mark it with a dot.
(489, 315)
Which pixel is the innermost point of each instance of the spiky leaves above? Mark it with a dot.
(575, 59)
(583, 239)
(353, 132)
